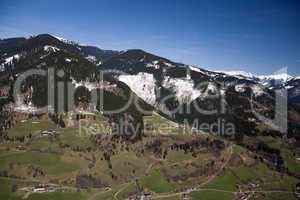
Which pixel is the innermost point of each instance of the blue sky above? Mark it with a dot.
(258, 36)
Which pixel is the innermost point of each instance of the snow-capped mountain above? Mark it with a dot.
(273, 81)
(160, 83)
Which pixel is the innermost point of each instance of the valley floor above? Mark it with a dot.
(68, 165)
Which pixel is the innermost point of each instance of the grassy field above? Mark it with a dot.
(263, 127)
(6, 193)
(226, 181)
(243, 175)
(290, 161)
(286, 153)
(156, 182)
(268, 180)
(161, 125)
(44, 144)
(58, 196)
(31, 126)
(78, 136)
(51, 163)
(280, 196)
(170, 198)
(211, 195)
(72, 137)
(6, 190)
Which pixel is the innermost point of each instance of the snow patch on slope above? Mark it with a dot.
(89, 85)
(256, 90)
(20, 106)
(67, 41)
(208, 73)
(168, 64)
(184, 89)
(91, 58)
(142, 84)
(211, 88)
(289, 87)
(153, 64)
(195, 69)
(9, 60)
(297, 78)
(25, 108)
(240, 88)
(50, 48)
(238, 73)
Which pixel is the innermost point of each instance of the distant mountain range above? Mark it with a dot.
(272, 81)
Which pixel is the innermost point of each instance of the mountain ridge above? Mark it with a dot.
(246, 74)
(150, 76)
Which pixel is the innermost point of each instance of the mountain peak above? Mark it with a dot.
(68, 41)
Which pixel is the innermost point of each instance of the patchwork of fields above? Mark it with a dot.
(158, 165)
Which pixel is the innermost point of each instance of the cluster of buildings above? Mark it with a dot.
(48, 133)
(41, 188)
(142, 196)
